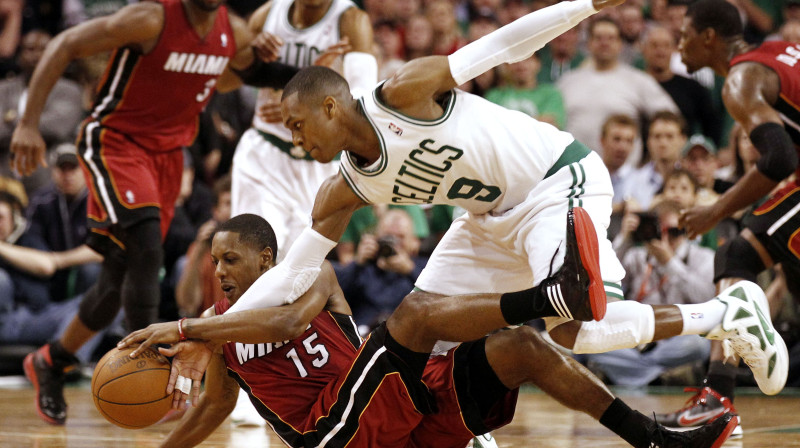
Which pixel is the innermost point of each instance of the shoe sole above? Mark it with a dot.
(782, 353)
(589, 252)
(30, 373)
(736, 434)
(729, 428)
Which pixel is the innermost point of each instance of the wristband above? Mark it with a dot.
(181, 334)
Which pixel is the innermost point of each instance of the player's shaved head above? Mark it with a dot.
(313, 84)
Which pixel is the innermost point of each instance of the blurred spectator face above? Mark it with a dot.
(657, 49)
(790, 31)
(605, 44)
(485, 6)
(566, 45)
(6, 220)
(31, 49)
(747, 151)
(525, 71)
(701, 164)
(631, 22)
(513, 10)
(617, 144)
(658, 10)
(398, 224)
(674, 18)
(681, 191)
(405, 9)
(791, 11)
(222, 211)
(419, 35)
(665, 141)
(442, 16)
(68, 178)
(481, 26)
(390, 41)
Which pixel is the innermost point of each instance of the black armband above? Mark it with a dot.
(778, 154)
(274, 75)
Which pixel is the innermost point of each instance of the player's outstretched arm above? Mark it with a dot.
(749, 92)
(215, 404)
(425, 78)
(135, 25)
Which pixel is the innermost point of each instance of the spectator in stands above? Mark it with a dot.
(631, 27)
(700, 159)
(61, 116)
(418, 37)
(447, 36)
(365, 221)
(57, 216)
(561, 55)
(693, 100)
(198, 288)
(617, 139)
(28, 314)
(666, 270)
(607, 86)
(520, 91)
(665, 140)
(384, 270)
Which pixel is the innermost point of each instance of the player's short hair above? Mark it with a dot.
(620, 120)
(253, 231)
(314, 83)
(719, 15)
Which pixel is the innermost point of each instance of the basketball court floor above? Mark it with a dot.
(540, 422)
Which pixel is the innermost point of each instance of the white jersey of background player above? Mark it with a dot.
(271, 177)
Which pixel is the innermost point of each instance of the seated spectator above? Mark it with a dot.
(561, 55)
(28, 315)
(447, 36)
(365, 220)
(521, 92)
(57, 215)
(700, 159)
(198, 288)
(617, 138)
(607, 86)
(61, 115)
(665, 139)
(384, 270)
(666, 270)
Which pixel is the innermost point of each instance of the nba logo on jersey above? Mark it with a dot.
(396, 129)
(224, 39)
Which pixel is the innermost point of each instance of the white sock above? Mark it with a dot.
(701, 318)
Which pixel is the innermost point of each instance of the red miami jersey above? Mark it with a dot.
(155, 99)
(287, 377)
(782, 58)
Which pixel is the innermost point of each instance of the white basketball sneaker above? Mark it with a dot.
(483, 441)
(747, 328)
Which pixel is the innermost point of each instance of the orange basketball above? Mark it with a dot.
(131, 392)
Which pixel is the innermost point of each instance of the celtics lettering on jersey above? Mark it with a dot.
(311, 355)
(298, 54)
(423, 170)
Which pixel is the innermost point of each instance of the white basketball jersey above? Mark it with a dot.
(477, 155)
(301, 47)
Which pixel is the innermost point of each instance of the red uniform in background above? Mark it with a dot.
(146, 111)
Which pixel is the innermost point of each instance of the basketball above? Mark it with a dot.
(131, 392)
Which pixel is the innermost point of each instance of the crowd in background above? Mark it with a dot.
(615, 82)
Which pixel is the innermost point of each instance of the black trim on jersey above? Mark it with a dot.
(285, 431)
(348, 327)
(124, 62)
(790, 112)
(362, 383)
